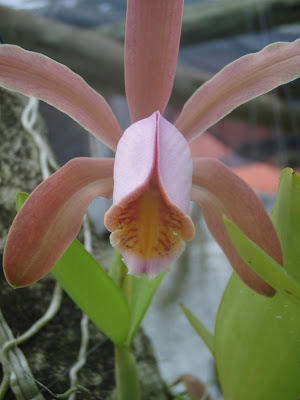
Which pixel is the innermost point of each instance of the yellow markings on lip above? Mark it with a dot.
(147, 227)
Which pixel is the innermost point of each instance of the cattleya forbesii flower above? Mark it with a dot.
(153, 177)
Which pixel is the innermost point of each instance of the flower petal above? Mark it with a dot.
(36, 75)
(237, 83)
(151, 50)
(152, 184)
(220, 192)
(175, 166)
(51, 217)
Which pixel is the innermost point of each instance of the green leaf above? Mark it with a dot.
(257, 347)
(93, 291)
(199, 327)
(21, 197)
(91, 288)
(261, 263)
(286, 219)
(138, 293)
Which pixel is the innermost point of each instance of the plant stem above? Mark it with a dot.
(127, 382)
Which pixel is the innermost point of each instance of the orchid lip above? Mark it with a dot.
(148, 219)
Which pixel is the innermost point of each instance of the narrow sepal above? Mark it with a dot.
(36, 75)
(51, 218)
(151, 50)
(220, 192)
(237, 83)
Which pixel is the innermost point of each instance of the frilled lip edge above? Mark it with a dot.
(152, 266)
(185, 230)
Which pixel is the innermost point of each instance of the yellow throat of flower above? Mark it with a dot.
(148, 227)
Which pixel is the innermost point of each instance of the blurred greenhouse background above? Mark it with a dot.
(258, 139)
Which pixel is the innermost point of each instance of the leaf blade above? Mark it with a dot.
(93, 291)
(203, 332)
(138, 293)
(78, 270)
(286, 219)
(261, 263)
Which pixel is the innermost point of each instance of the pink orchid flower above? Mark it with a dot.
(153, 177)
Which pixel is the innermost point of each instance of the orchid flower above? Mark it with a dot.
(153, 177)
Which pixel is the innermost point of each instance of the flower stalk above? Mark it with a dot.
(127, 382)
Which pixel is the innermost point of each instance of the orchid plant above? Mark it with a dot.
(152, 178)
(255, 342)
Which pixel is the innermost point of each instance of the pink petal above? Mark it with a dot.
(220, 192)
(36, 75)
(151, 50)
(152, 184)
(153, 266)
(51, 218)
(239, 82)
(175, 166)
(135, 159)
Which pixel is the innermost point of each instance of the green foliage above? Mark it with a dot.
(261, 263)
(257, 348)
(286, 219)
(91, 289)
(137, 291)
(115, 303)
(21, 197)
(257, 338)
(199, 327)
(256, 344)
(127, 381)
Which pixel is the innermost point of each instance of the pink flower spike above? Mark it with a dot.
(220, 192)
(36, 75)
(152, 184)
(151, 50)
(51, 217)
(237, 83)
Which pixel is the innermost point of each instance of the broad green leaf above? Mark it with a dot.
(257, 347)
(91, 289)
(257, 338)
(138, 293)
(261, 263)
(199, 327)
(286, 219)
